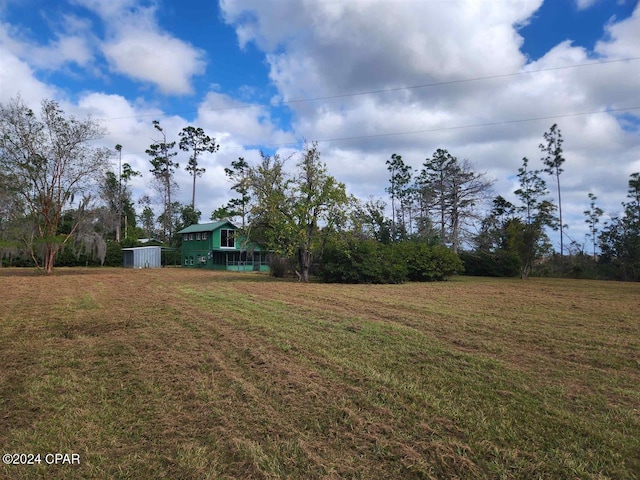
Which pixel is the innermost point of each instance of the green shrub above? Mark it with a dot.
(429, 263)
(278, 266)
(496, 264)
(369, 261)
(360, 261)
(113, 257)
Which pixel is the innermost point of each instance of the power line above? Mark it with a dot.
(441, 129)
(379, 91)
(453, 82)
(429, 130)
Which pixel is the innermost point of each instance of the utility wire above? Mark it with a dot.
(441, 129)
(374, 92)
(428, 130)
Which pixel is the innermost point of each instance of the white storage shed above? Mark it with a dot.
(142, 257)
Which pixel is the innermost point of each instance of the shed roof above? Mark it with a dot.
(206, 227)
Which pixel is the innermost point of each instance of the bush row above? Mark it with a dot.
(369, 261)
(495, 264)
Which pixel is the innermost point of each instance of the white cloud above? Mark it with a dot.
(136, 47)
(17, 77)
(623, 37)
(154, 57)
(243, 123)
(108, 8)
(67, 48)
(320, 47)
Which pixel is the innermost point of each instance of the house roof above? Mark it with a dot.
(206, 227)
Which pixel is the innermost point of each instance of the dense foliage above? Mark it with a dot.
(283, 211)
(369, 261)
(491, 264)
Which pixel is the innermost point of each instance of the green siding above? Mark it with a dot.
(190, 245)
(209, 253)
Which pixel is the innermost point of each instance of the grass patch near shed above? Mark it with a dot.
(177, 373)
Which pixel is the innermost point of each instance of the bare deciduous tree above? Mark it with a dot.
(51, 164)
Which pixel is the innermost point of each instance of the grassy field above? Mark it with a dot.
(186, 374)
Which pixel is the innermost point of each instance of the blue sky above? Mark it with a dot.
(226, 66)
(562, 20)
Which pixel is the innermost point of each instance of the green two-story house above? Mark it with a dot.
(219, 246)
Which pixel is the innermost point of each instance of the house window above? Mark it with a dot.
(191, 260)
(185, 236)
(186, 260)
(197, 236)
(218, 259)
(227, 239)
(204, 235)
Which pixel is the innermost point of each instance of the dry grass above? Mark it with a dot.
(178, 373)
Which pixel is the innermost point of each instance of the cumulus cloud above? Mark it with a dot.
(72, 45)
(232, 123)
(153, 57)
(373, 44)
(65, 50)
(623, 37)
(132, 44)
(246, 124)
(17, 77)
(135, 46)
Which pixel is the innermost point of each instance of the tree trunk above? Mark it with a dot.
(524, 271)
(49, 258)
(169, 213)
(393, 216)
(193, 191)
(304, 260)
(454, 234)
(561, 226)
(455, 219)
(442, 223)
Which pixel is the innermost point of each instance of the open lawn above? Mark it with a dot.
(188, 374)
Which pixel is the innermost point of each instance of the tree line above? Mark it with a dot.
(60, 198)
